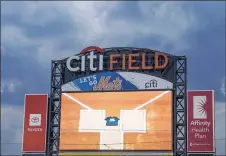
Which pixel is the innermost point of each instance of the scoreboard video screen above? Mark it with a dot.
(129, 120)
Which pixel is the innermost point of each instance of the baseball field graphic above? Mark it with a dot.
(126, 120)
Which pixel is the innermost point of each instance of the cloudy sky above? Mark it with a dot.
(34, 33)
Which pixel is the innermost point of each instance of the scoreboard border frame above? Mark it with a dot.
(179, 103)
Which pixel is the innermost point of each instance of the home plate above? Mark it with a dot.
(111, 140)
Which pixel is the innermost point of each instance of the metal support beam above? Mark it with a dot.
(180, 107)
(54, 111)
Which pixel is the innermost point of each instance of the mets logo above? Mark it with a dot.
(104, 84)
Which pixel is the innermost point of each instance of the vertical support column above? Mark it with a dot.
(180, 107)
(54, 111)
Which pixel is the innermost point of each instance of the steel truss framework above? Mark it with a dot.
(179, 107)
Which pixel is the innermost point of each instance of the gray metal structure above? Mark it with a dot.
(175, 72)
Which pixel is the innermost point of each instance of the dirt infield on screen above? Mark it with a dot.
(138, 120)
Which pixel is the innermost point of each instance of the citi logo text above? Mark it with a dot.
(113, 60)
(151, 84)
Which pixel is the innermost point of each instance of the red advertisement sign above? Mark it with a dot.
(200, 121)
(35, 123)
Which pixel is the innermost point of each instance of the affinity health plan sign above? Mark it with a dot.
(200, 121)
